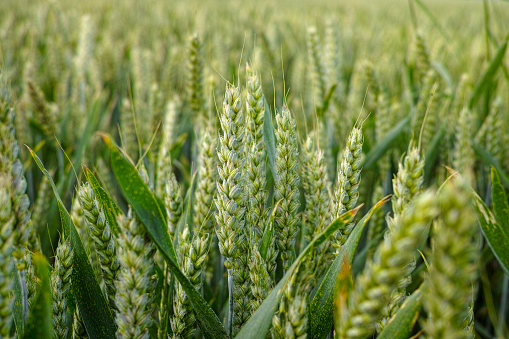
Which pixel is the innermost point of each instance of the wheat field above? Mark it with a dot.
(220, 169)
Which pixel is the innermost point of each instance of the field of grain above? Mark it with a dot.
(219, 169)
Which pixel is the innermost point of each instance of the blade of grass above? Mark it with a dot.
(321, 319)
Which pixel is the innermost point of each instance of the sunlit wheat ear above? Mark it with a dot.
(383, 275)
(255, 153)
(349, 176)
(406, 187)
(230, 198)
(61, 285)
(105, 245)
(286, 185)
(135, 282)
(448, 295)
(193, 255)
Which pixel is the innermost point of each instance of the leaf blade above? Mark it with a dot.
(148, 210)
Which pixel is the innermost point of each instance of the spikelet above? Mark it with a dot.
(195, 79)
(15, 185)
(492, 131)
(42, 109)
(230, 199)
(427, 104)
(463, 156)
(333, 60)
(7, 222)
(286, 185)
(42, 203)
(448, 295)
(382, 276)
(406, 186)
(314, 175)
(256, 215)
(346, 191)
(99, 231)
(422, 56)
(260, 279)
(173, 203)
(136, 282)
(205, 187)
(61, 285)
(317, 67)
(193, 256)
(128, 130)
(167, 140)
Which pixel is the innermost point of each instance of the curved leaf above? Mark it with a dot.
(40, 322)
(321, 309)
(401, 324)
(257, 327)
(148, 209)
(488, 74)
(90, 300)
(493, 233)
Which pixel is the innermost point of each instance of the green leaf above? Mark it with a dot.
(500, 205)
(489, 73)
(488, 160)
(40, 322)
(20, 303)
(90, 300)
(321, 309)
(260, 322)
(496, 237)
(111, 210)
(381, 147)
(401, 324)
(269, 138)
(147, 208)
(432, 18)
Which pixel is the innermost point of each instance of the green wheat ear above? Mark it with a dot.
(61, 284)
(447, 298)
(286, 186)
(347, 186)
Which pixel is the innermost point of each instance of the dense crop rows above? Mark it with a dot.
(283, 170)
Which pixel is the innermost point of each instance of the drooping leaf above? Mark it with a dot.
(147, 208)
(401, 324)
(321, 310)
(40, 322)
(489, 73)
(270, 138)
(496, 237)
(90, 300)
(257, 327)
(111, 210)
(500, 205)
(381, 147)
